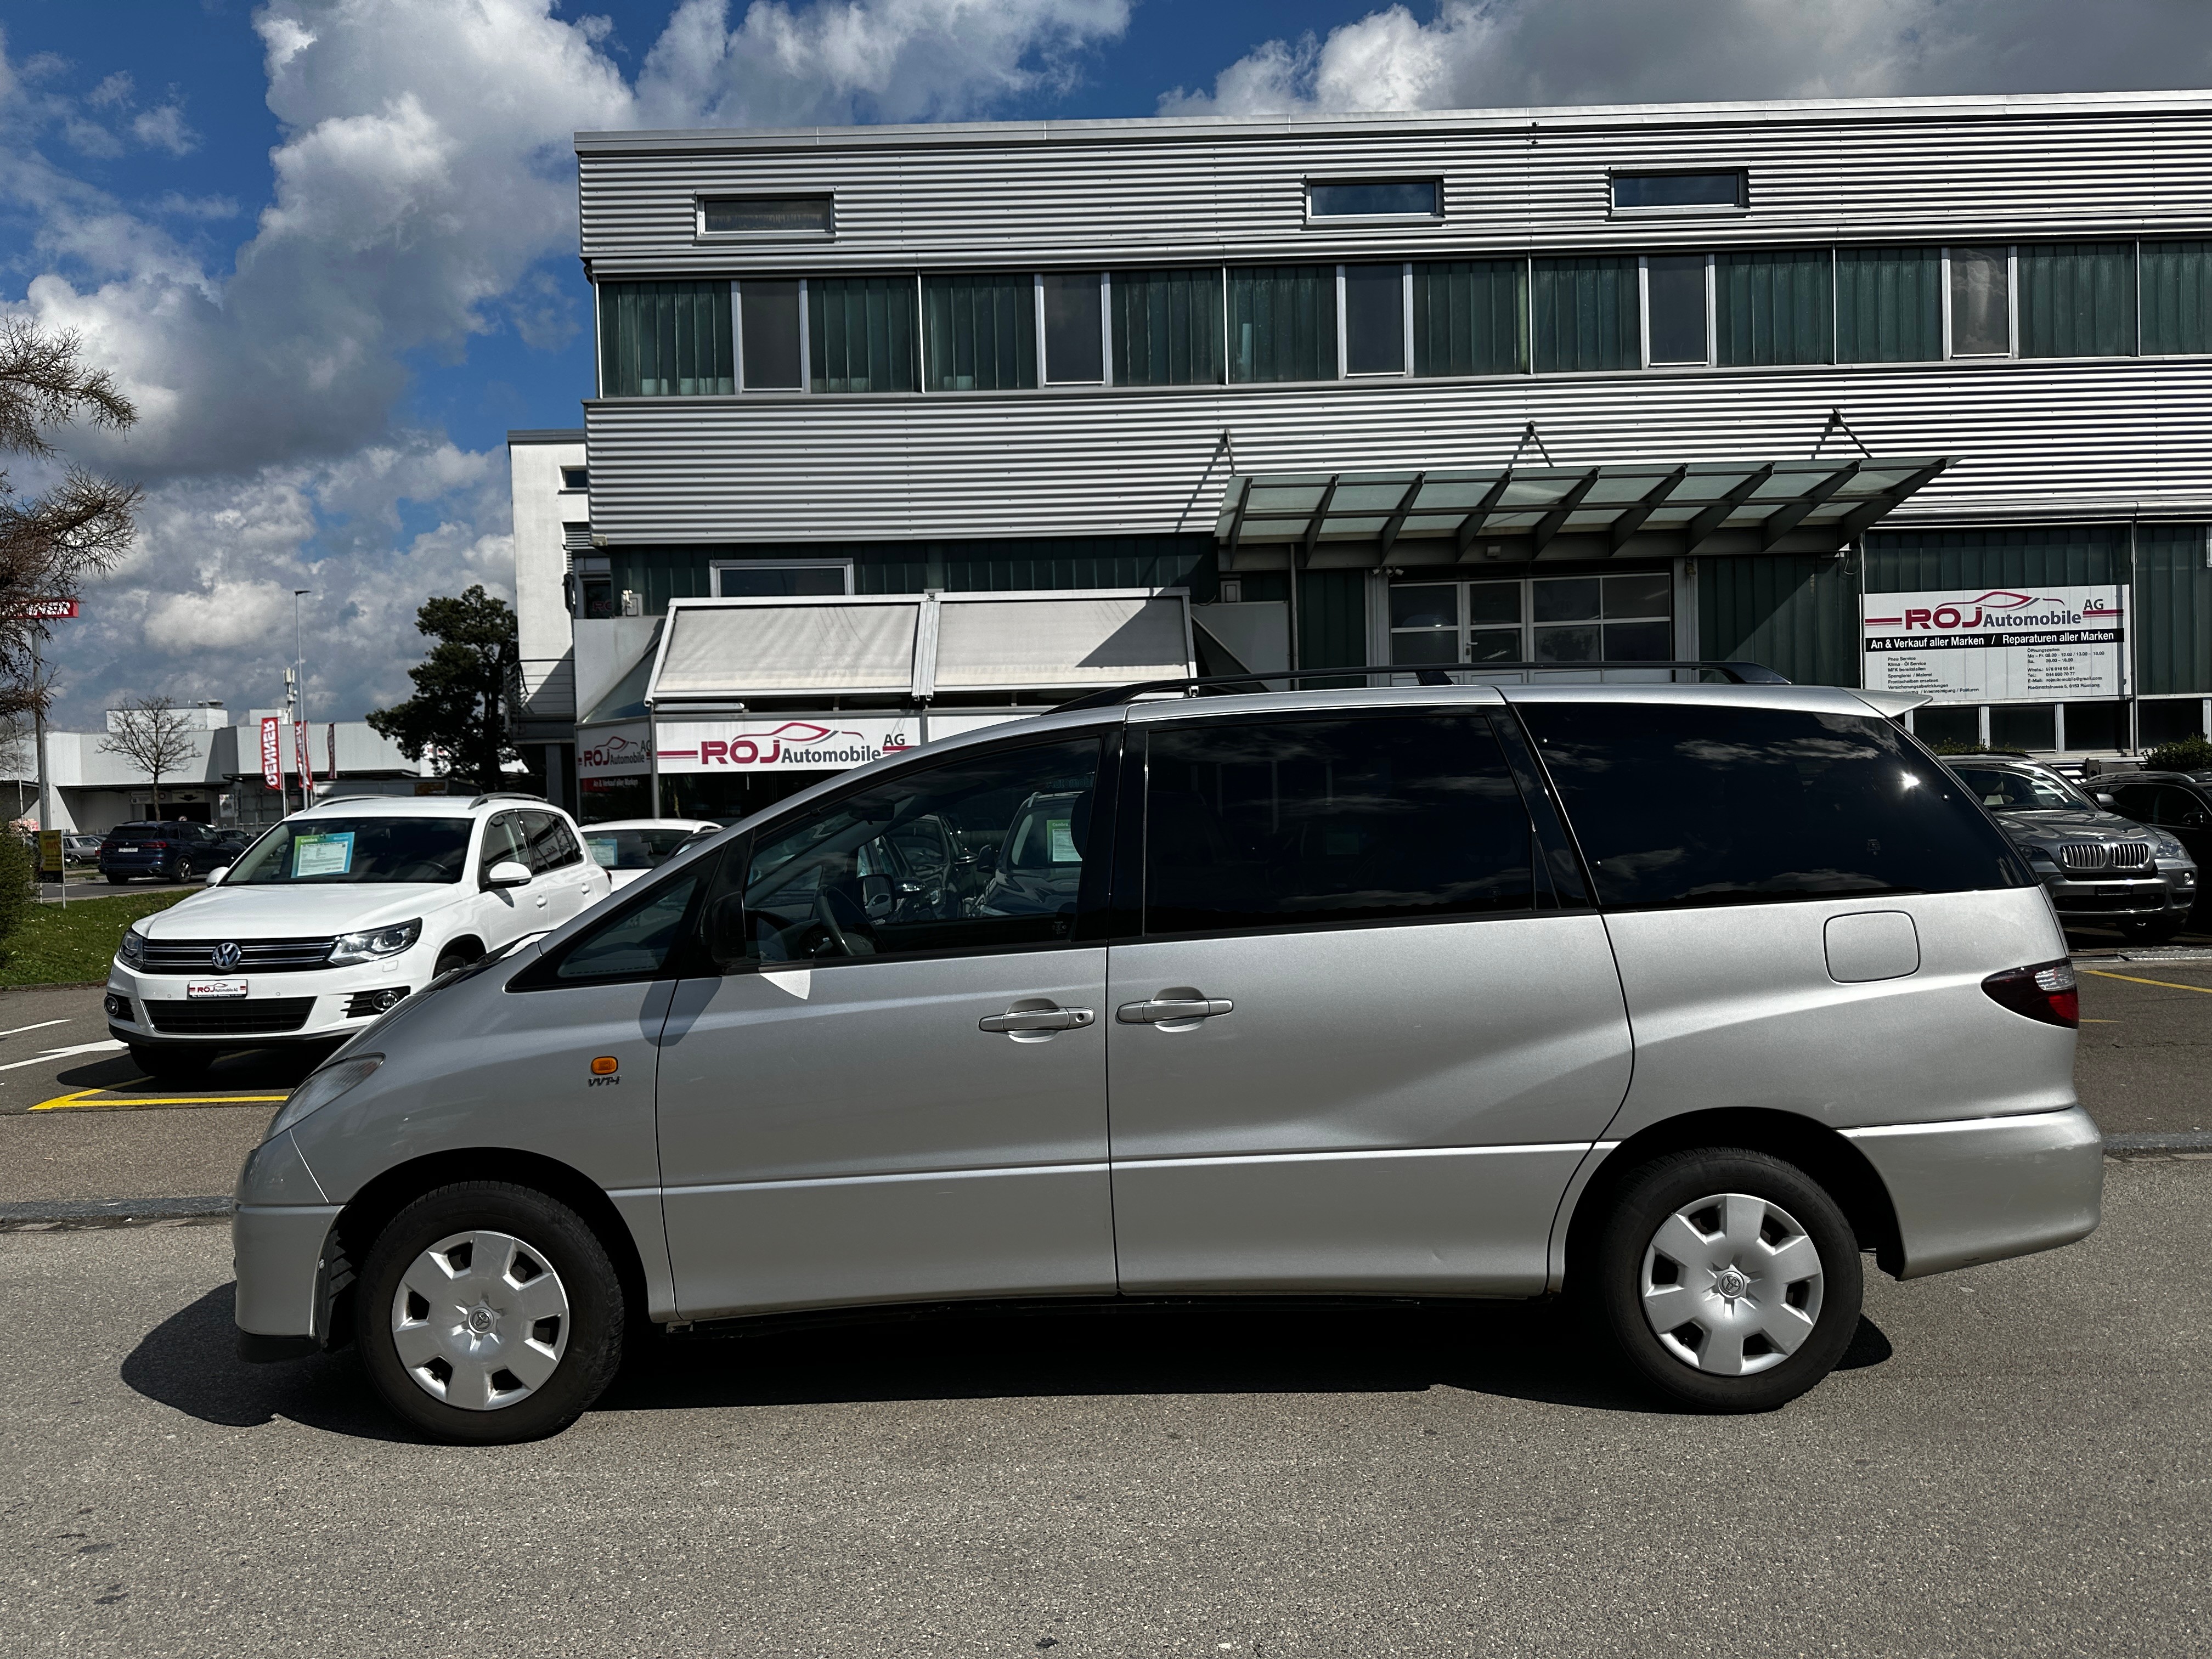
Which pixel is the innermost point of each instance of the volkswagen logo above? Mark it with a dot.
(225, 955)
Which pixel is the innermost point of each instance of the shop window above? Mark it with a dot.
(758, 579)
(1632, 191)
(2168, 719)
(1471, 316)
(768, 331)
(1585, 314)
(1167, 327)
(2177, 298)
(861, 333)
(766, 216)
(1377, 198)
(1774, 307)
(1949, 725)
(2077, 300)
(2096, 725)
(1562, 620)
(666, 339)
(979, 333)
(2023, 725)
(1282, 323)
(1375, 319)
(1075, 330)
(1298, 823)
(1889, 305)
(1981, 303)
(1674, 309)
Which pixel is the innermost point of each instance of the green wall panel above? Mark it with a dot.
(2065, 556)
(1332, 619)
(1797, 614)
(2172, 609)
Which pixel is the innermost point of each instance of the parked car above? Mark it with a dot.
(166, 849)
(2100, 868)
(80, 849)
(1671, 999)
(335, 915)
(627, 848)
(2178, 803)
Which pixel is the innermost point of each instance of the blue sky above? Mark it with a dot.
(330, 244)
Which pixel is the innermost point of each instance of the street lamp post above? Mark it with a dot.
(299, 707)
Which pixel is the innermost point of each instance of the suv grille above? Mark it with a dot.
(240, 1018)
(2103, 855)
(255, 956)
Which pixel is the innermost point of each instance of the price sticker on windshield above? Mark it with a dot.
(323, 855)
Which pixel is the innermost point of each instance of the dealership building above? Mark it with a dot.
(1908, 393)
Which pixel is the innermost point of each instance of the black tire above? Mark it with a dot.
(1653, 1197)
(2152, 930)
(451, 957)
(551, 1235)
(172, 1060)
(118, 881)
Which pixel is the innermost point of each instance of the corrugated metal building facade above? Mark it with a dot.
(853, 347)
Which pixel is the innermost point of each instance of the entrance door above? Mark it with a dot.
(898, 1089)
(1349, 1051)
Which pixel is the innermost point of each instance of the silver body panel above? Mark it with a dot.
(1982, 1189)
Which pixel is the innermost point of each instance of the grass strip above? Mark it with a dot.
(59, 946)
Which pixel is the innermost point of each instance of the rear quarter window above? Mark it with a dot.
(1699, 805)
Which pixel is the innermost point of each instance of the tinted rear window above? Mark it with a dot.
(1679, 805)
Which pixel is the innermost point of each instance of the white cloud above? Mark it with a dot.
(1476, 54)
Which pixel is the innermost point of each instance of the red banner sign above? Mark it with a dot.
(272, 753)
(49, 609)
(303, 758)
(330, 750)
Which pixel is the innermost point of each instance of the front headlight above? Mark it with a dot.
(376, 943)
(321, 1090)
(132, 951)
(2042, 863)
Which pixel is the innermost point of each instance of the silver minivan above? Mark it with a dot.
(1674, 999)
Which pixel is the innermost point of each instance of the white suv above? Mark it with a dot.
(337, 913)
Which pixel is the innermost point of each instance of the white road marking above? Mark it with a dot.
(109, 1045)
(40, 1026)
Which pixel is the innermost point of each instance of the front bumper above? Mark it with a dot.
(1989, 1188)
(2168, 893)
(313, 1007)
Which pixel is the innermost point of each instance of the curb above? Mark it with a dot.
(110, 1212)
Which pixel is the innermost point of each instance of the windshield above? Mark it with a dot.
(327, 851)
(634, 849)
(2004, 789)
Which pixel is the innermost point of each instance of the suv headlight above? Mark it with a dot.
(132, 951)
(2042, 863)
(321, 1088)
(375, 943)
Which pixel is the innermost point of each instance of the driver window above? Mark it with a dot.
(981, 851)
(502, 843)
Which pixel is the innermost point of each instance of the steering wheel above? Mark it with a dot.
(826, 914)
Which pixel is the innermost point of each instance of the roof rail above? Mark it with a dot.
(1735, 673)
(333, 800)
(509, 795)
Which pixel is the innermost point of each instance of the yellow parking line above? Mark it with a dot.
(2163, 984)
(81, 1101)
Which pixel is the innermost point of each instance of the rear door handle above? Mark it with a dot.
(1160, 1011)
(1037, 1019)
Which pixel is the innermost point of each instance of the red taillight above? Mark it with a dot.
(2045, 991)
(153, 847)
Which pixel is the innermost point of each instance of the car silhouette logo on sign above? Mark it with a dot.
(225, 955)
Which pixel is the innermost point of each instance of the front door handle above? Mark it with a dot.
(1037, 1019)
(1162, 1010)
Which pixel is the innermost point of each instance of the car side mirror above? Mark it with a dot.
(507, 873)
(986, 858)
(214, 875)
(2106, 802)
(724, 925)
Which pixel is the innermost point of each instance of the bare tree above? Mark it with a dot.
(79, 526)
(153, 737)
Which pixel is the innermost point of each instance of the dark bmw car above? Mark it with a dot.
(173, 851)
(2179, 803)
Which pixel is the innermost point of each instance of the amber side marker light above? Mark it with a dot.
(607, 1065)
(2045, 991)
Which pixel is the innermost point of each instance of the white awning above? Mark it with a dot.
(918, 645)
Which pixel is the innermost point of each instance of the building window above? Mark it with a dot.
(1634, 191)
(666, 339)
(1374, 307)
(1167, 327)
(2023, 725)
(1585, 314)
(1774, 307)
(2177, 298)
(1282, 323)
(1889, 305)
(765, 215)
(575, 478)
(1675, 309)
(1377, 198)
(769, 333)
(1561, 620)
(979, 333)
(861, 333)
(1981, 301)
(780, 579)
(1471, 316)
(2077, 300)
(1074, 327)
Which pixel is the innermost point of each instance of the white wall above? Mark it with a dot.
(542, 506)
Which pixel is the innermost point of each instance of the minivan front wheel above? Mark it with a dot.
(1728, 1278)
(489, 1313)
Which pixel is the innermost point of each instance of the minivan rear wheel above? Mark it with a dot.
(1728, 1278)
(489, 1313)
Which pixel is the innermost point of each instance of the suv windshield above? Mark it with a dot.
(2001, 788)
(362, 850)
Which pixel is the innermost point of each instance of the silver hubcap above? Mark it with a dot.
(1731, 1285)
(480, 1321)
